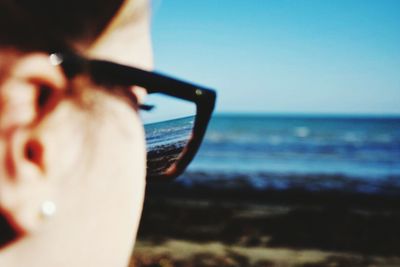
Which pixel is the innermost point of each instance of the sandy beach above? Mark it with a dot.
(239, 225)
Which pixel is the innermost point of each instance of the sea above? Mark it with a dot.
(360, 153)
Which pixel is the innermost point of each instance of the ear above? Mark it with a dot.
(31, 87)
(29, 92)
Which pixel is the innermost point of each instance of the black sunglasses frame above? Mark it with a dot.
(110, 73)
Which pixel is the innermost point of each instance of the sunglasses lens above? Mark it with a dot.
(169, 127)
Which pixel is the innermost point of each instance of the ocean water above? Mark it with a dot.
(169, 132)
(365, 147)
(265, 148)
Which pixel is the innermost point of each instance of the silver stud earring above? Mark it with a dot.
(48, 209)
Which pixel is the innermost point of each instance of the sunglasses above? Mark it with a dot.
(172, 142)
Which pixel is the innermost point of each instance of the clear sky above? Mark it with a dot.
(307, 56)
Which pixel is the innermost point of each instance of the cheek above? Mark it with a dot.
(64, 137)
(117, 170)
(106, 145)
(102, 176)
(114, 154)
(125, 156)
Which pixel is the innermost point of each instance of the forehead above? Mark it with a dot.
(126, 39)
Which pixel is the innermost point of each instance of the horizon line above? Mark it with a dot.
(309, 114)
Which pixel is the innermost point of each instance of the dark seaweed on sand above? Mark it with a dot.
(295, 217)
(160, 158)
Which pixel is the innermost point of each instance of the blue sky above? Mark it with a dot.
(298, 56)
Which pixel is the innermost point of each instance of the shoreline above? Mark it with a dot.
(313, 182)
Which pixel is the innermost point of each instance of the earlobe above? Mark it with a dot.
(24, 189)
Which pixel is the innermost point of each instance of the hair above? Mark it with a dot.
(49, 25)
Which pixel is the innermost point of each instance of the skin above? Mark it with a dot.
(89, 159)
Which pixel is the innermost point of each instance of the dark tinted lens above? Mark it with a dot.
(168, 127)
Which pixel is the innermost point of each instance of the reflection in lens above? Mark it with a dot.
(168, 130)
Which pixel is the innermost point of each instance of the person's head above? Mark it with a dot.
(66, 146)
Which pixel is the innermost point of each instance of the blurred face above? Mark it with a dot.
(72, 157)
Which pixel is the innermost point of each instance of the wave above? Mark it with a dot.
(389, 185)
